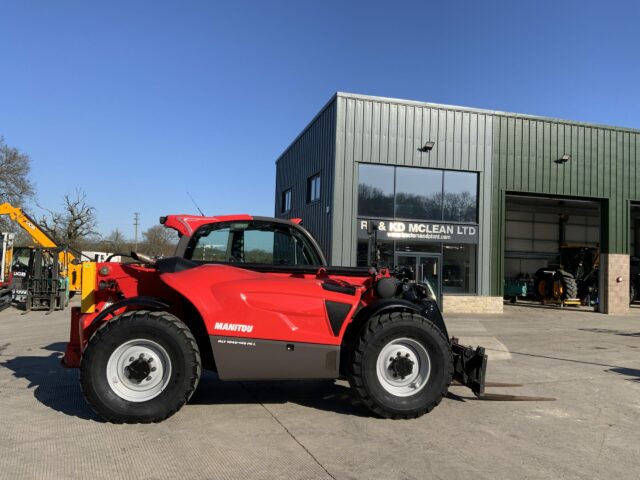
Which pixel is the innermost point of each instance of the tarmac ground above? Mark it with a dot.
(590, 363)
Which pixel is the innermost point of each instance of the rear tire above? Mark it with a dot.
(140, 367)
(401, 365)
(569, 285)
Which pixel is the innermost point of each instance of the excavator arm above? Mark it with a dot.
(71, 269)
(28, 224)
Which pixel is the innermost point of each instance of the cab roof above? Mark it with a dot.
(187, 224)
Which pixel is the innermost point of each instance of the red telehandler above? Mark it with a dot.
(252, 298)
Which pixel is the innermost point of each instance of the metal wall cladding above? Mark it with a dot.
(603, 165)
(385, 131)
(512, 153)
(310, 154)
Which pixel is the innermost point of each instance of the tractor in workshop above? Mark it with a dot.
(252, 298)
(572, 280)
(575, 276)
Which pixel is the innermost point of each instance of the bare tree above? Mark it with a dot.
(116, 241)
(15, 167)
(22, 237)
(15, 185)
(159, 241)
(76, 222)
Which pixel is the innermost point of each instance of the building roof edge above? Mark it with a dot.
(399, 101)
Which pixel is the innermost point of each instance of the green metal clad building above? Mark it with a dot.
(465, 196)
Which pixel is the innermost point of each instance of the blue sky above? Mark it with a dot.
(139, 101)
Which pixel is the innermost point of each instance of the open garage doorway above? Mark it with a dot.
(554, 239)
(634, 250)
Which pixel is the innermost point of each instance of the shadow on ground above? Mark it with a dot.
(53, 385)
(628, 372)
(325, 395)
(610, 331)
(549, 306)
(58, 388)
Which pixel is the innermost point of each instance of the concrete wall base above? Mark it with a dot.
(471, 304)
(614, 283)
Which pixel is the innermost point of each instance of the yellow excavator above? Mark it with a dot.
(69, 266)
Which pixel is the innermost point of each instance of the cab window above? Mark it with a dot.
(21, 257)
(251, 242)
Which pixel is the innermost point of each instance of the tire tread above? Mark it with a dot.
(132, 317)
(376, 323)
(570, 285)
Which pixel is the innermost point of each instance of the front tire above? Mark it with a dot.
(140, 367)
(401, 365)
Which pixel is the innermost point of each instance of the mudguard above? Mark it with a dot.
(428, 308)
(141, 301)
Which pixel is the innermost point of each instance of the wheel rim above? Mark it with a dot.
(403, 367)
(138, 370)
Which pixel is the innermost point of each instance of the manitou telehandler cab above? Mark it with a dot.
(252, 298)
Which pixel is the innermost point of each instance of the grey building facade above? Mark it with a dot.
(453, 190)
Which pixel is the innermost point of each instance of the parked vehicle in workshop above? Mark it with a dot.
(573, 279)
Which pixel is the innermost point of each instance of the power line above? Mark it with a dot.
(136, 224)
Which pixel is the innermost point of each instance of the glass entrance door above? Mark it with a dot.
(425, 268)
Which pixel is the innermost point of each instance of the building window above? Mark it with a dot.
(458, 268)
(286, 201)
(313, 188)
(418, 193)
(376, 191)
(411, 193)
(460, 196)
(384, 255)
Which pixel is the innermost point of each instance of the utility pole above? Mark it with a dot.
(136, 223)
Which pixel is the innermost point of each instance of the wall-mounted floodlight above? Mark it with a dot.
(427, 147)
(563, 159)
